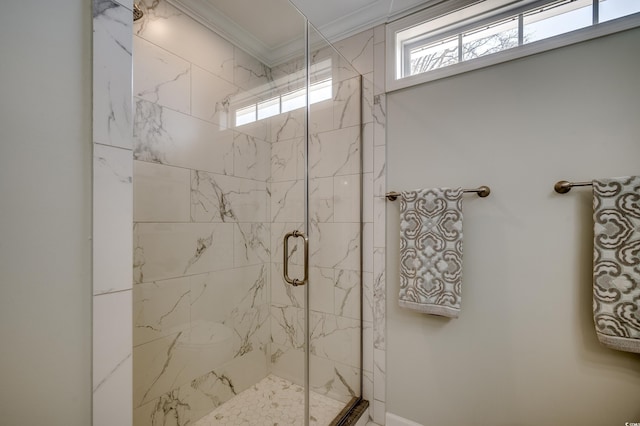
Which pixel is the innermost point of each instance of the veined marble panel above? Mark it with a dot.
(168, 137)
(321, 114)
(251, 244)
(346, 103)
(282, 293)
(111, 351)
(367, 243)
(367, 296)
(161, 77)
(219, 296)
(198, 397)
(112, 218)
(287, 326)
(112, 400)
(367, 98)
(170, 250)
(112, 74)
(278, 231)
(379, 68)
(251, 74)
(321, 290)
(335, 338)
(337, 381)
(211, 97)
(335, 153)
(289, 125)
(367, 147)
(379, 171)
(335, 245)
(358, 50)
(367, 199)
(379, 297)
(379, 119)
(347, 198)
(160, 308)
(219, 198)
(161, 193)
(287, 201)
(347, 294)
(287, 363)
(367, 346)
(284, 160)
(251, 158)
(172, 30)
(379, 375)
(322, 200)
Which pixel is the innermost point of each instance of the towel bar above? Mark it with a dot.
(482, 191)
(563, 186)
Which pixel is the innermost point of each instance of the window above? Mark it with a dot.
(461, 35)
(289, 101)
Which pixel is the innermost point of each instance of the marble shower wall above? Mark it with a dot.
(366, 51)
(335, 147)
(202, 221)
(112, 207)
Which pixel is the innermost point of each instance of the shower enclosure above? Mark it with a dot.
(247, 217)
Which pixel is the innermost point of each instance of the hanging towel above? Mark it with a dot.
(616, 262)
(431, 250)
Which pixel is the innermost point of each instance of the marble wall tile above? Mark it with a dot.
(161, 193)
(333, 379)
(289, 125)
(379, 119)
(284, 160)
(112, 218)
(252, 243)
(379, 412)
(112, 74)
(367, 199)
(367, 98)
(160, 309)
(347, 198)
(322, 290)
(322, 199)
(215, 296)
(335, 338)
(287, 363)
(379, 65)
(321, 114)
(112, 355)
(379, 374)
(367, 147)
(367, 387)
(168, 137)
(335, 245)
(219, 198)
(379, 299)
(287, 327)
(358, 50)
(164, 26)
(367, 243)
(367, 345)
(170, 250)
(211, 97)
(112, 401)
(278, 231)
(347, 293)
(335, 153)
(346, 103)
(251, 157)
(161, 77)
(251, 74)
(367, 296)
(283, 293)
(287, 201)
(379, 212)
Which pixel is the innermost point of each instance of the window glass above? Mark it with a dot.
(557, 18)
(613, 9)
(268, 108)
(490, 39)
(245, 115)
(432, 56)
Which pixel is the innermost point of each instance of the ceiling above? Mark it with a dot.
(273, 30)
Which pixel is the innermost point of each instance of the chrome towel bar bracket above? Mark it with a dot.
(563, 186)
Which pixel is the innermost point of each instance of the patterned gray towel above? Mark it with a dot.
(431, 250)
(616, 262)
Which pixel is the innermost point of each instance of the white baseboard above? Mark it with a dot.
(394, 420)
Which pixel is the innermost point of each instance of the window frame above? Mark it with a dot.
(470, 18)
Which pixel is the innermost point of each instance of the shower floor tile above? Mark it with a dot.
(272, 401)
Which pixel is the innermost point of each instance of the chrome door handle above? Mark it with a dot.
(296, 282)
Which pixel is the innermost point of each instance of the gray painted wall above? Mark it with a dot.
(45, 211)
(524, 350)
